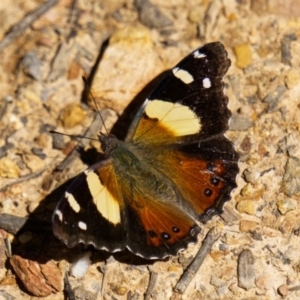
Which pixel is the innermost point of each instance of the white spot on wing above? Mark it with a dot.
(178, 118)
(106, 204)
(59, 214)
(198, 54)
(206, 83)
(72, 201)
(183, 75)
(82, 225)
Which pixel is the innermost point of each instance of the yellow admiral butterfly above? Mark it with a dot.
(174, 168)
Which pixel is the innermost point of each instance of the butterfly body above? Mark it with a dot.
(174, 168)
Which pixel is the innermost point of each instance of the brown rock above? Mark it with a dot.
(39, 279)
(283, 290)
(112, 87)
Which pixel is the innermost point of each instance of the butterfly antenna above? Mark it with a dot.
(73, 136)
(87, 86)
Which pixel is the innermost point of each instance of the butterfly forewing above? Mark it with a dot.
(196, 83)
(92, 212)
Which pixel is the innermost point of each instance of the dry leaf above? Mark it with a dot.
(246, 273)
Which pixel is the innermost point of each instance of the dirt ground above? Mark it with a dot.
(48, 46)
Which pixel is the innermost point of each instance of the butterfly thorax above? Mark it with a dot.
(126, 158)
(108, 143)
(119, 153)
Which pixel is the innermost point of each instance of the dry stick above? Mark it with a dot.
(151, 285)
(68, 289)
(21, 179)
(14, 224)
(193, 268)
(17, 29)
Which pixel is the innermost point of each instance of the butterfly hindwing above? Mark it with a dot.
(129, 209)
(204, 174)
(157, 224)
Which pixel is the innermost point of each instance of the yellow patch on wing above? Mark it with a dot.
(72, 202)
(183, 75)
(175, 117)
(105, 202)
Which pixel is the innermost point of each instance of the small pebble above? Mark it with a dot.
(120, 290)
(251, 175)
(7, 205)
(58, 141)
(285, 205)
(254, 192)
(247, 225)
(8, 280)
(8, 168)
(222, 291)
(33, 162)
(72, 115)
(223, 247)
(283, 290)
(80, 266)
(243, 55)
(292, 78)
(246, 206)
(291, 183)
(265, 281)
(32, 65)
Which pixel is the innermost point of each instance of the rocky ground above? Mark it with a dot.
(46, 48)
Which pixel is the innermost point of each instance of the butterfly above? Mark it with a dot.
(174, 168)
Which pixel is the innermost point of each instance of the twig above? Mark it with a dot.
(17, 29)
(68, 289)
(14, 224)
(151, 285)
(195, 265)
(103, 270)
(71, 17)
(21, 179)
(8, 247)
